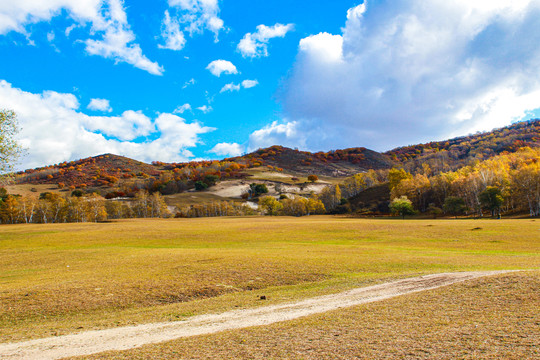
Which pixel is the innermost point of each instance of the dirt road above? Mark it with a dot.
(129, 337)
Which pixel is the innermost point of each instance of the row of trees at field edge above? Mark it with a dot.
(79, 207)
(292, 205)
(508, 183)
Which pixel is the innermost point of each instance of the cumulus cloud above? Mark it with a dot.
(171, 33)
(182, 109)
(113, 37)
(256, 44)
(55, 130)
(118, 40)
(227, 149)
(218, 67)
(248, 84)
(100, 105)
(287, 133)
(411, 71)
(192, 17)
(129, 126)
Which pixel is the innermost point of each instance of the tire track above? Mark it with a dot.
(129, 337)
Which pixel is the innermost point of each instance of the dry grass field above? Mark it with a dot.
(64, 278)
(491, 318)
(33, 190)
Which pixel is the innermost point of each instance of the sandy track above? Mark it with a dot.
(129, 337)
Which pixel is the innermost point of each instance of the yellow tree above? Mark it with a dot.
(315, 206)
(141, 205)
(94, 206)
(27, 206)
(58, 207)
(115, 210)
(296, 206)
(76, 211)
(10, 150)
(10, 210)
(269, 205)
(157, 206)
(526, 181)
(43, 211)
(415, 189)
(337, 195)
(395, 176)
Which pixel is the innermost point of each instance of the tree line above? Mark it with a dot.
(78, 207)
(507, 183)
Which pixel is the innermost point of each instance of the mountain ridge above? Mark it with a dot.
(108, 169)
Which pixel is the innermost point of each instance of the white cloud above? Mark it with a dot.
(205, 109)
(192, 17)
(189, 83)
(50, 36)
(286, 134)
(170, 32)
(227, 149)
(248, 84)
(415, 70)
(256, 44)
(323, 47)
(129, 126)
(100, 105)
(218, 67)
(69, 29)
(55, 130)
(230, 88)
(117, 42)
(108, 20)
(182, 109)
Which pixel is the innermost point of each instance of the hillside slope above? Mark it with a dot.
(336, 163)
(108, 170)
(101, 170)
(454, 153)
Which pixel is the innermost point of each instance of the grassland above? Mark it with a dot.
(33, 190)
(181, 200)
(64, 278)
(491, 318)
(262, 174)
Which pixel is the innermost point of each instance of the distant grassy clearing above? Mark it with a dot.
(33, 190)
(58, 278)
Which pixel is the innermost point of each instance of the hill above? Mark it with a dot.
(336, 163)
(103, 170)
(283, 170)
(454, 153)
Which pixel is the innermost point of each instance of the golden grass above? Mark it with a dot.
(26, 189)
(181, 200)
(488, 318)
(263, 174)
(63, 278)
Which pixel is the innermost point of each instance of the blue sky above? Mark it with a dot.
(188, 79)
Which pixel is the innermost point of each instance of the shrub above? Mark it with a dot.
(200, 186)
(402, 206)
